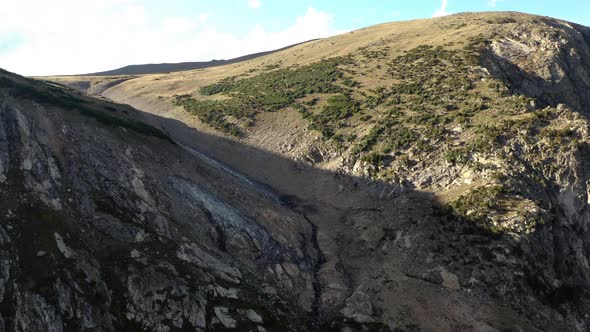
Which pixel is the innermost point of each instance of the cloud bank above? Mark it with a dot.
(73, 37)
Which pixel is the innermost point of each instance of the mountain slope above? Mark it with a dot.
(458, 149)
(158, 68)
(97, 235)
(109, 225)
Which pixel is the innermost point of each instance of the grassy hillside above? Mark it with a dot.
(404, 102)
(486, 112)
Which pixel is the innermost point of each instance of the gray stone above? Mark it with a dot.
(222, 313)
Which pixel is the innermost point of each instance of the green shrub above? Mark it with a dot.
(272, 91)
(374, 158)
(214, 113)
(366, 117)
(350, 82)
(457, 156)
(339, 107)
(477, 203)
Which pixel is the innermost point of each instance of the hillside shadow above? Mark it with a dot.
(362, 220)
(285, 176)
(334, 201)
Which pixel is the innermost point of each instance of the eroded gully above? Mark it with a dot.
(269, 193)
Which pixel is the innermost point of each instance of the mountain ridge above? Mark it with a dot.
(443, 162)
(160, 68)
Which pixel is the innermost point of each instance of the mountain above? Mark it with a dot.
(423, 175)
(159, 68)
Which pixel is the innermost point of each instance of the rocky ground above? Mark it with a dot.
(105, 228)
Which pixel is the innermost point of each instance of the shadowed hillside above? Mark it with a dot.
(104, 213)
(451, 152)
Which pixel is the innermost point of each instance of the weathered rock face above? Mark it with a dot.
(106, 228)
(551, 63)
(547, 61)
(97, 236)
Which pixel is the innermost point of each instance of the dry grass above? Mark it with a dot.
(400, 36)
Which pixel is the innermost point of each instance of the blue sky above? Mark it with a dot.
(40, 37)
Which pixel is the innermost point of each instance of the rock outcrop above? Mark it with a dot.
(97, 235)
(450, 193)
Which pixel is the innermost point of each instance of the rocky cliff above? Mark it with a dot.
(424, 175)
(108, 225)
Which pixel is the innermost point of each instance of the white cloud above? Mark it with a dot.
(493, 3)
(396, 14)
(255, 4)
(442, 11)
(73, 37)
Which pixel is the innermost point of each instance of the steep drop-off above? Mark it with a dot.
(437, 169)
(107, 225)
